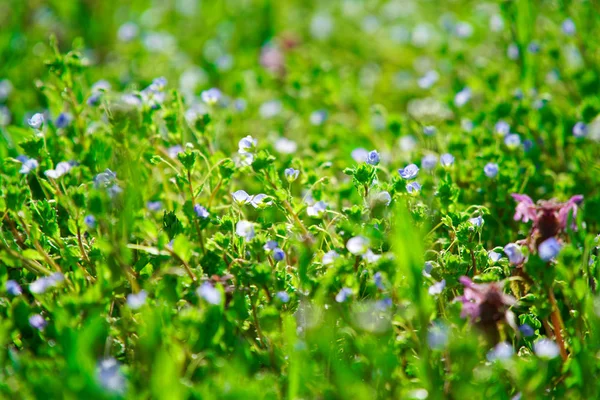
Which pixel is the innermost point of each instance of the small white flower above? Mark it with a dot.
(502, 351)
(437, 287)
(546, 348)
(241, 197)
(329, 257)
(358, 245)
(317, 210)
(286, 146)
(136, 300)
(245, 229)
(247, 144)
(36, 121)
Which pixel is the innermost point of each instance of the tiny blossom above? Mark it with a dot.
(329, 257)
(127, 32)
(491, 170)
(247, 144)
(90, 221)
(512, 51)
(136, 300)
(413, 188)
(549, 249)
(278, 254)
(495, 257)
(526, 330)
(291, 174)
(284, 297)
(437, 335)
(211, 96)
(463, 30)
(114, 190)
(36, 121)
(63, 120)
(245, 229)
(360, 155)
(512, 141)
(428, 80)
(260, 201)
(477, 221)
(447, 160)
(502, 128)
(502, 351)
(317, 210)
(241, 197)
(533, 47)
(285, 146)
(371, 257)
(13, 288)
(37, 322)
(514, 253)
(271, 245)
(378, 279)
(429, 130)
(382, 197)
(110, 377)
(580, 129)
(200, 211)
(104, 179)
(174, 150)
(462, 97)
(5, 117)
(407, 143)
(437, 287)
(546, 348)
(343, 295)
(429, 161)
(29, 164)
(357, 245)
(568, 27)
(270, 109)
(318, 117)
(6, 89)
(496, 23)
(40, 285)
(94, 99)
(484, 303)
(271, 57)
(467, 124)
(209, 293)
(61, 169)
(427, 268)
(373, 157)
(384, 303)
(409, 172)
(101, 86)
(154, 205)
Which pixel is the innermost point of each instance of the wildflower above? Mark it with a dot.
(247, 144)
(61, 169)
(525, 209)
(36, 121)
(271, 245)
(462, 97)
(409, 172)
(437, 335)
(37, 322)
(413, 188)
(514, 254)
(4, 116)
(154, 205)
(357, 245)
(446, 160)
(94, 99)
(549, 249)
(533, 47)
(209, 293)
(101, 86)
(317, 210)
(429, 161)
(29, 164)
(502, 351)
(272, 59)
(485, 303)
(13, 288)
(343, 295)
(318, 117)
(502, 128)
(463, 30)
(329, 257)
(382, 197)
(136, 300)
(291, 174)
(429, 79)
(63, 120)
(512, 141)
(437, 287)
(491, 170)
(360, 155)
(211, 96)
(286, 146)
(240, 197)
(40, 285)
(260, 201)
(546, 348)
(127, 32)
(174, 150)
(427, 268)
(90, 221)
(477, 221)
(513, 51)
(568, 27)
(104, 179)
(284, 297)
(110, 377)
(496, 23)
(200, 211)
(245, 229)
(580, 129)
(278, 254)
(429, 130)
(371, 257)
(495, 257)
(6, 89)
(114, 190)
(526, 330)
(467, 124)
(378, 279)
(373, 158)
(270, 109)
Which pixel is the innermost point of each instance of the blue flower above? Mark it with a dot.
(29, 164)
(104, 179)
(494, 256)
(533, 47)
(437, 335)
(278, 254)
(378, 279)
(546, 348)
(447, 160)
(513, 51)
(90, 221)
(114, 190)
(477, 221)
(502, 128)
(526, 330)
(409, 172)
(568, 27)
(329, 257)
(514, 253)
(462, 97)
(271, 245)
(580, 129)
(429, 161)
(429, 130)
(373, 157)
(110, 377)
(211, 96)
(94, 99)
(343, 295)
(384, 304)
(260, 201)
(241, 197)
(63, 120)
(200, 211)
(491, 170)
(13, 288)
(357, 245)
(284, 297)
(413, 188)
(209, 293)
(40, 285)
(429, 79)
(36, 121)
(318, 117)
(512, 141)
(291, 174)
(247, 144)
(437, 287)
(427, 268)
(317, 210)
(549, 249)
(136, 300)
(154, 205)
(502, 351)
(37, 322)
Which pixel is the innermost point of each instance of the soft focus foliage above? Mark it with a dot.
(299, 199)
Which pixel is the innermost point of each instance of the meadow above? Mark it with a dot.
(299, 199)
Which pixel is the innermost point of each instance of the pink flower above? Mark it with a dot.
(484, 303)
(571, 205)
(272, 59)
(525, 209)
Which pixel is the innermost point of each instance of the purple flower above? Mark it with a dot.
(525, 209)
(200, 211)
(549, 249)
(154, 205)
(549, 217)
(409, 172)
(373, 157)
(37, 322)
(485, 303)
(13, 288)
